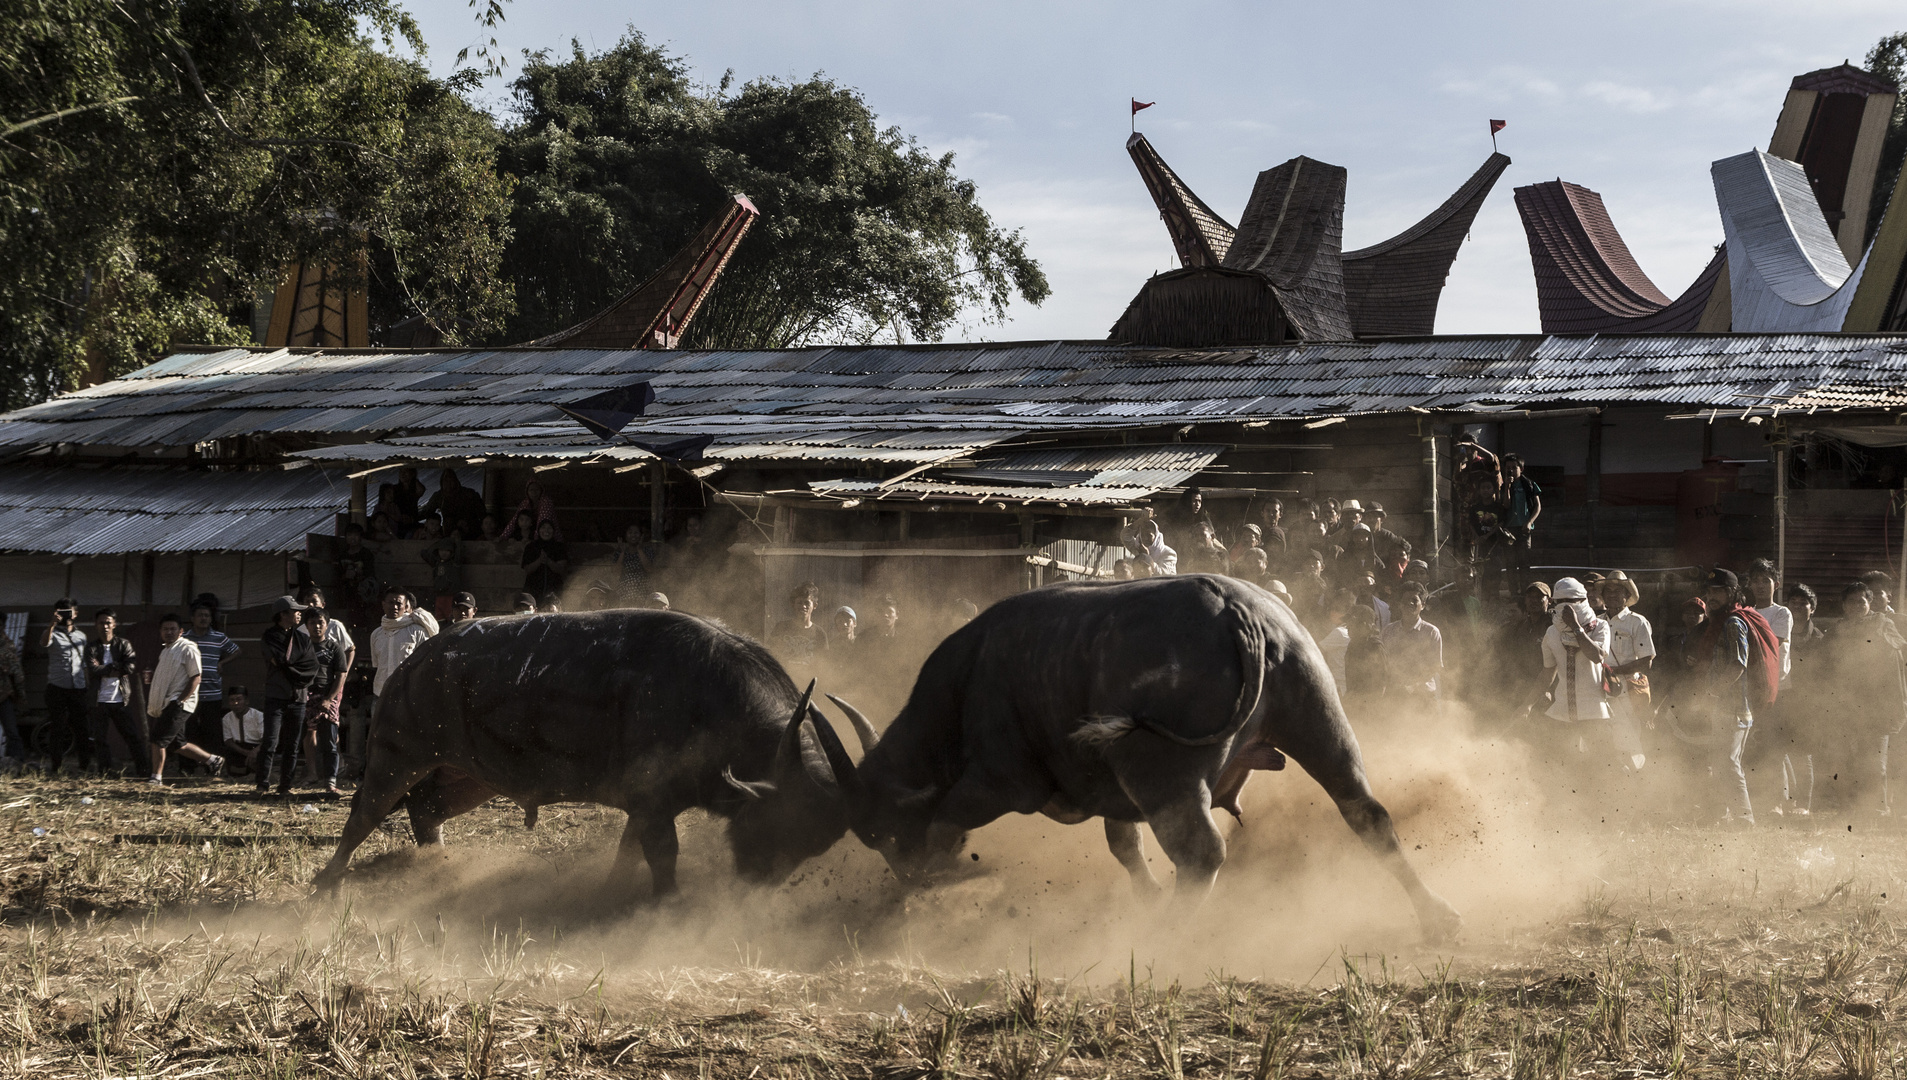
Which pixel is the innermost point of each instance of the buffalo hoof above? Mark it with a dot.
(1440, 921)
(325, 885)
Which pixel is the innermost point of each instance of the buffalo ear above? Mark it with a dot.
(846, 777)
(759, 789)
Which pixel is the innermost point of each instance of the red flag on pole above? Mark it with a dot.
(1137, 105)
(1498, 125)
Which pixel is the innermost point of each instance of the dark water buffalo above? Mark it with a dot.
(1143, 701)
(652, 712)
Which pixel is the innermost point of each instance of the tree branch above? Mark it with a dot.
(192, 72)
(15, 129)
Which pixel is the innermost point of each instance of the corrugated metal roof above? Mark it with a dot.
(777, 399)
(1099, 476)
(73, 511)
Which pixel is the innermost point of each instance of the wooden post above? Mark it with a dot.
(1781, 509)
(906, 521)
(1026, 543)
(358, 486)
(493, 495)
(1592, 474)
(656, 498)
(1902, 541)
(1432, 555)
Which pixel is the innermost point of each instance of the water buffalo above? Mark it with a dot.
(652, 712)
(1144, 701)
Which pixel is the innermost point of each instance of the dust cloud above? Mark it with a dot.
(1298, 889)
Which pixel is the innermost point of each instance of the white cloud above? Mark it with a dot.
(1635, 99)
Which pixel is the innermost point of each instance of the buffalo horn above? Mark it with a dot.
(788, 754)
(845, 775)
(862, 728)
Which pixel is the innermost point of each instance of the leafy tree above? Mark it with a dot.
(619, 158)
(1888, 59)
(161, 163)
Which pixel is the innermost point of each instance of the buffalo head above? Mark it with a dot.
(802, 808)
(894, 820)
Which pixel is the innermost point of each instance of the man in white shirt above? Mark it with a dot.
(1574, 677)
(171, 699)
(1631, 655)
(402, 629)
(1336, 642)
(1414, 647)
(1761, 594)
(243, 727)
(1147, 545)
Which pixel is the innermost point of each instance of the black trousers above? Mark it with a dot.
(284, 736)
(131, 725)
(72, 729)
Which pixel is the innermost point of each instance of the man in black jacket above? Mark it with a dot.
(111, 670)
(291, 664)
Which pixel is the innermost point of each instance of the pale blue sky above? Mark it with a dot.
(1631, 99)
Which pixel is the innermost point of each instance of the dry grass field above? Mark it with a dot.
(171, 934)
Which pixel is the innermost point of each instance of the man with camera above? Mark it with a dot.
(67, 715)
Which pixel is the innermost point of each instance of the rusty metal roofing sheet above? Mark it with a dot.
(73, 511)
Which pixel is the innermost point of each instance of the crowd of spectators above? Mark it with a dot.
(1770, 700)
(1742, 682)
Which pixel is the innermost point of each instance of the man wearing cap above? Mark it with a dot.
(1391, 549)
(463, 607)
(1574, 667)
(291, 665)
(1350, 516)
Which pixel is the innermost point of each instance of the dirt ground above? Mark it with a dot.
(171, 933)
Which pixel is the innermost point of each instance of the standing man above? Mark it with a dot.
(66, 711)
(1519, 647)
(1631, 655)
(798, 641)
(172, 698)
(1392, 551)
(110, 664)
(458, 507)
(463, 608)
(1804, 680)
(1277, 550)
(1738, 648)
(216, 652)
(1867, 705)
(1148, 548)
(443, 553)
(325, 699)
(291, 663)
(1415, 649)
(12, 691)
(402, 629)
(1573, 668)
(1522, 505)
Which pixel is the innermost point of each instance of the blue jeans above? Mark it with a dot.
(327, 732)
(284, 734)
